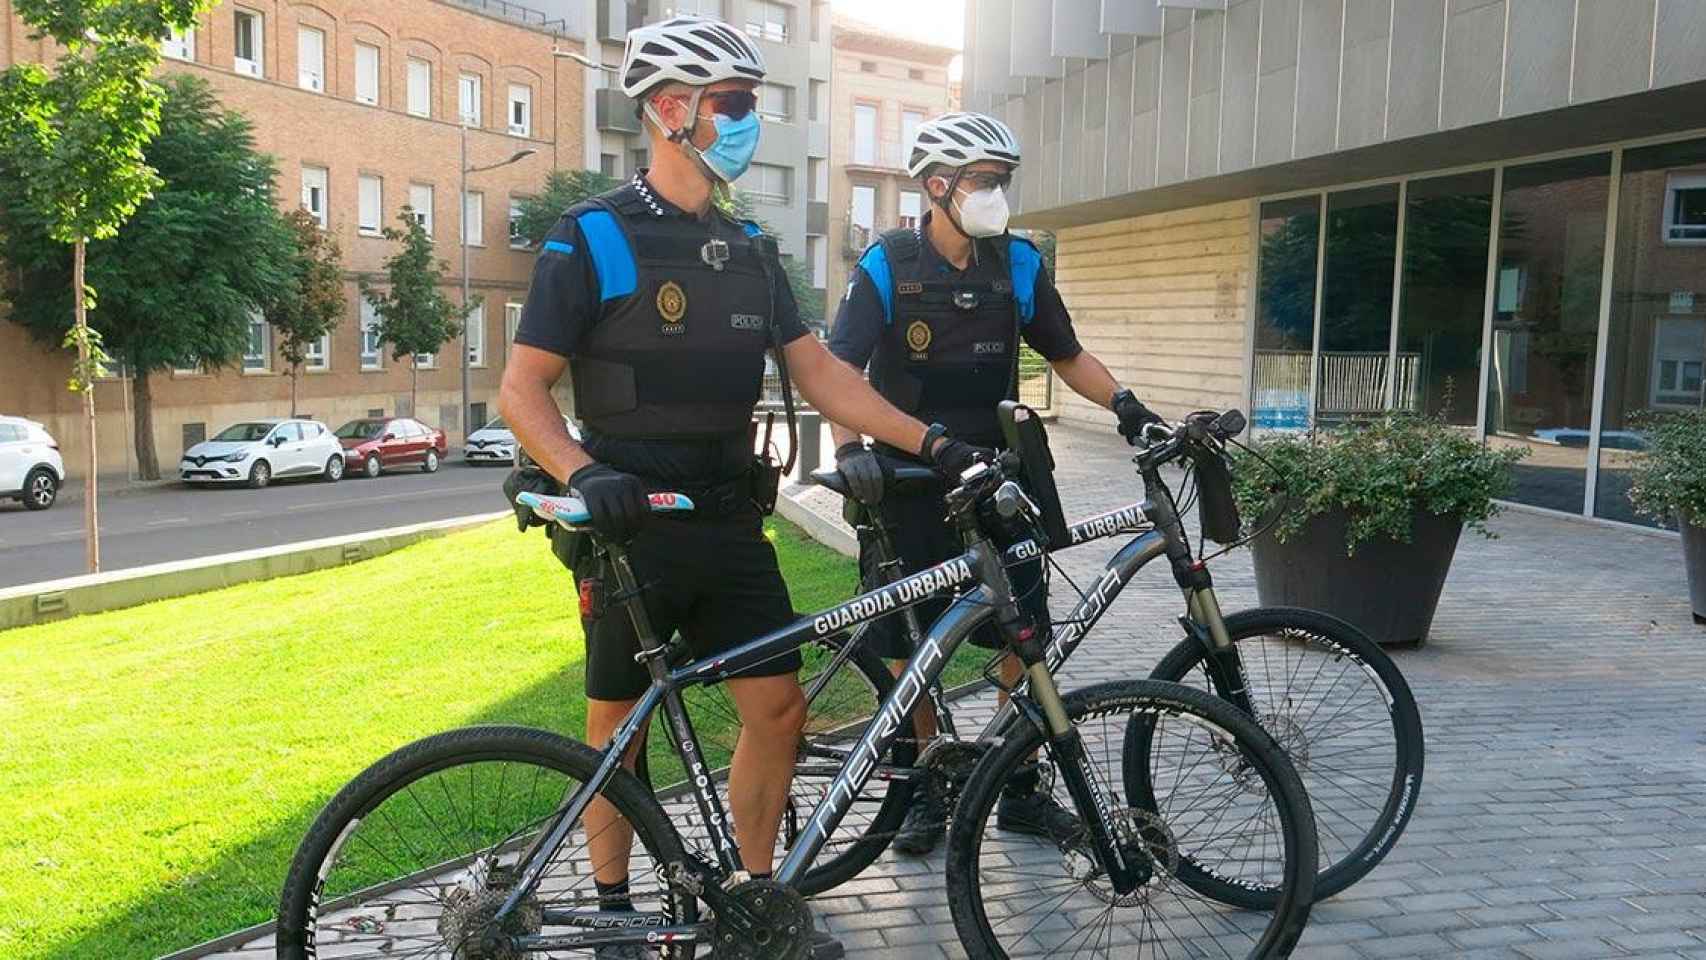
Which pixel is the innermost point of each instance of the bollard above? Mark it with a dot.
(811, 441)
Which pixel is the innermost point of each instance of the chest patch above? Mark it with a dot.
(986, 348)
(672, 307)
(918, 336)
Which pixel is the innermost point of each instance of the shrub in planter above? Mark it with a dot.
(1669, 483)
(1362, 521)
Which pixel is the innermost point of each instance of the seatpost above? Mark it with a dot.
(629, 594)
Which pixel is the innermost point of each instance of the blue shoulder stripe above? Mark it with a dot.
(612, 258)
(875, 263)
(1025, 262)
(752, 229)
(558, 246)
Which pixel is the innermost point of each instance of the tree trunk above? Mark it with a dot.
(142, 395)
(414, 381)
(294, 369)
(91, 512)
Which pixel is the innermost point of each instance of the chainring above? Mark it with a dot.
(947, 765)
(784, 930)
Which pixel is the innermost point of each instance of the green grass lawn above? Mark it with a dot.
(159, 764)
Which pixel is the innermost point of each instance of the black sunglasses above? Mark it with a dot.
(986, 180)
(734, 104)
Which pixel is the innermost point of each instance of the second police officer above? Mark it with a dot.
(938, 312)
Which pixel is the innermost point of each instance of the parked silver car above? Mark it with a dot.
(256, 451)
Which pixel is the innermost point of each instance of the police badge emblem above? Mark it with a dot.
(918, 336)
(672, 306)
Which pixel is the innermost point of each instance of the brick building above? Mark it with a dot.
(362, 105)
(881, 87)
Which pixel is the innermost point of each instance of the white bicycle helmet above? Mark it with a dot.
(958, 139)
(696, 51)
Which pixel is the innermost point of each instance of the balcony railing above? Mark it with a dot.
(519, 14)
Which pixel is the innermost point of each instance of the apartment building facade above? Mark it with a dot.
(883, 86)
(365, 107)
(789, 178)
(1490, 211)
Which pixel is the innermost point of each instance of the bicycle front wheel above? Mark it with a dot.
(414, 856)
(1339, 707)
(1232, 809)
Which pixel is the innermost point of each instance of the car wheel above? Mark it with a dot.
(371, 466)
(41, 488)
(334, 468)
(260, 475)
(430, 464)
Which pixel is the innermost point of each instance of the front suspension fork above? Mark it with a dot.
(1205, 624)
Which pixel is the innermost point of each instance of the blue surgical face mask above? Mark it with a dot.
(737, 141)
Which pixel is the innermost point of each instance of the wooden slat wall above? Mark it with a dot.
(1161, 299)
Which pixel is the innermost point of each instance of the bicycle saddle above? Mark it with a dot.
(904, 479)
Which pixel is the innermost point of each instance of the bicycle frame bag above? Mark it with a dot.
(1023, 433)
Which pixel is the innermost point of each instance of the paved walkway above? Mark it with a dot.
(1564, 696)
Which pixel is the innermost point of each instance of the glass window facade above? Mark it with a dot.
(1289, 246)
(1447, 223)
(1356, 303)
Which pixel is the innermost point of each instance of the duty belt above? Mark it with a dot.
(718, 501)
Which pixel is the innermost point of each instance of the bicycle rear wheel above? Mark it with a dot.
(1232, 809)
(413, 857)
(1341, 710)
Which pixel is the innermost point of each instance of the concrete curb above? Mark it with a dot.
(54, 600)
(815, 525)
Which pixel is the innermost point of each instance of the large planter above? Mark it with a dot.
(1388, 589)
(1694, 559)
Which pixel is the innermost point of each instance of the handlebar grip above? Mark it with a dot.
(1229, 424)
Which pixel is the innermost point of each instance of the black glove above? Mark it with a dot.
(1134, 416)
(615, 500)
(529, 479)
(954, 457)
(864, 471)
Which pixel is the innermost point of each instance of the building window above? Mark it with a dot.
(426, 361)
(420, 87)
(818, 90)
(776, 102)
(179, 46)
(817, 251)
(516, 240)
(867, 66)
(1290, 232)
(474, 334)
(520, 110)
(248, 47)
(311, 59)
(370, 355)
(607, 164)
(817, 176)
(370, 204)
(702, 8)
(1685, 208)
(770, 183)
(863, 217)
(865, 134)
(366, 73)
(767, 20)
(257, 353)
(468, 98)
(909, 123)
(316, 355)
(314, 193)
(913, 73)
(639, 160)
(1356, 303)
(420, 201)
(512, 320)
(1446, 228)
(911, 208)
(473, 218)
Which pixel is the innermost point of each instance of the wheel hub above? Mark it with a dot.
(783, 930)
(1144, 840)
(1291, 737)
(469, 923)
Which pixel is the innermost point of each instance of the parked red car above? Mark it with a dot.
(374, 445)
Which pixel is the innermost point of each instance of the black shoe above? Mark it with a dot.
(826, 947)
(925, 824)
(1037, 814)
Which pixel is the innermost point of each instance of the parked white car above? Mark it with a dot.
(256, 451)
(31, 469)
(494, 443)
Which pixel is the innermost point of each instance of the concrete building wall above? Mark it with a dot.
(1161, 300)
(332, 131)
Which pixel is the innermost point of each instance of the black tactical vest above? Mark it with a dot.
(949, 353)
(678, 349)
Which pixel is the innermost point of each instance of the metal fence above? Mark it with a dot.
(518, 13)
(1350, 384)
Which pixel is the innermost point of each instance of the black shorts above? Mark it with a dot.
(922, 537)
(715, 581)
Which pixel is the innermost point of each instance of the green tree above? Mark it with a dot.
(311, 308)
(563, 189)
(72, 142)
(182, 279)
(415, 316)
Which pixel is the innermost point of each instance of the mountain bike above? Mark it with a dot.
(471, 844)
(1329, 695)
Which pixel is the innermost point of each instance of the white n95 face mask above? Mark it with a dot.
(983, 213)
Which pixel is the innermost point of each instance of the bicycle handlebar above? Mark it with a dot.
(571, 512)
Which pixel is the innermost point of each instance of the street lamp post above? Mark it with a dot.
(467, 427)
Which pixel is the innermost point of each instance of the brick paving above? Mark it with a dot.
(1563, 692)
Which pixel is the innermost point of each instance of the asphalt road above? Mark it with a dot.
(171, 522)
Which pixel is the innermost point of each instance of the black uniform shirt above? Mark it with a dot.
(563, 305)
(859, 322)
